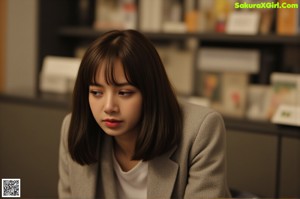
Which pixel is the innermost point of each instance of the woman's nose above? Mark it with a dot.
(111, 105)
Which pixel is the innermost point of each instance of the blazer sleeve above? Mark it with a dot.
(64, 190)
(207, 169)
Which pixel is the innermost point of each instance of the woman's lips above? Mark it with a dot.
(112, 123)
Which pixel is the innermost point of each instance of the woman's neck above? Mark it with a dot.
(124, 148)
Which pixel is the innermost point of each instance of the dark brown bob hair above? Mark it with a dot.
(161, 120)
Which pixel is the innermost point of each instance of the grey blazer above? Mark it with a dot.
(196, 168)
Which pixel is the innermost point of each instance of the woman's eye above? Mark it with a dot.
(125, 93)
(96, 93)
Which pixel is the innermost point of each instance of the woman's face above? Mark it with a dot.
(117, 109)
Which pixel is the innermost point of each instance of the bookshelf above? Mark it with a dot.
(61, 34)
(68, 31)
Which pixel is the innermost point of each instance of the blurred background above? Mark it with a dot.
(241, 58)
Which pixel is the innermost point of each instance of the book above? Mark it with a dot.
(191, 20)
(234, 94)
(210, 86)
(287, 20)
(151, 15)
(172, 17)
(129, 14)
(117, 14)
(229, 60)
(107, 15)
(267, 20)
(207, 18)
(226, 91)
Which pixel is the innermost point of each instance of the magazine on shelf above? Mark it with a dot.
(234, 94)
(226, 91)
(285, 91)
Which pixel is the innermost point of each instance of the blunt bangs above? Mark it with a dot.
(109, 53)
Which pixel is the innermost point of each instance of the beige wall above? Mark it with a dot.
(3, 5)
(21, 45)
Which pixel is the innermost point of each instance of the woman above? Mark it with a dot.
(128, 137)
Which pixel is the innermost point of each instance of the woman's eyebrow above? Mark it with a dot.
(116, 85)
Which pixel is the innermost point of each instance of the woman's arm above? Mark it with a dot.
(207, 169)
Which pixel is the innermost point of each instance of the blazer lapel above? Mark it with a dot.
(107, 176)
(162, 172)
(89, 183)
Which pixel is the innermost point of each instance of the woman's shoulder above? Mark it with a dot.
(194, 113)
(67, 120)
(195, 109)
(196, 117)
(65, 126)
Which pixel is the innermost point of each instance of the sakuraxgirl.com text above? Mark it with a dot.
(264, 5)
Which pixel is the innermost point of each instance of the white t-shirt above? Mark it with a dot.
(133, 183)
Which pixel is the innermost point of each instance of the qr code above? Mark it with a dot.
(11, 188)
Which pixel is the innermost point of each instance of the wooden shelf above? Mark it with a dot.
(90, 33)
(262, 127)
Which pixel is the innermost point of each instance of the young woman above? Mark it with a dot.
(128, 136)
